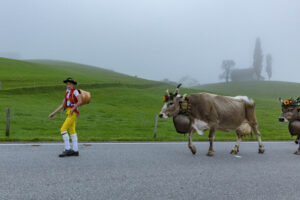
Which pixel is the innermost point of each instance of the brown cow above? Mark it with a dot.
(291, 114)
(204, 111)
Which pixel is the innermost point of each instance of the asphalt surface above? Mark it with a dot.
(150, 171)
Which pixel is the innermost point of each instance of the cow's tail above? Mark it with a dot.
(251, 102)
(250, 113)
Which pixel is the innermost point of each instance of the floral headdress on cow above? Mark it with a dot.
(291, 102)
(169, 95)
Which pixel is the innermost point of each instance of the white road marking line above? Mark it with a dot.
(238, 156)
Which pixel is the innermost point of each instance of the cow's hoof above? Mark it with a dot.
(234, 151)
(210, 153)
(193, 149)
(297, 152)
(261, 149)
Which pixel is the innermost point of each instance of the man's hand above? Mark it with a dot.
(71, 111)
(51, 115)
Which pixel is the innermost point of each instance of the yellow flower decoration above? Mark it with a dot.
(287, 102)
(166, 98)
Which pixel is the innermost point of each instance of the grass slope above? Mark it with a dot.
(16, 74)
(122, 108)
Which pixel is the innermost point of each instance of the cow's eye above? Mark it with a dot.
(171, 103)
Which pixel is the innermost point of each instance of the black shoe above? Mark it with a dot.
(75, 153)
(66, 153)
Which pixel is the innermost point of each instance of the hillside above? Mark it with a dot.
(17, 73)
(123, 108)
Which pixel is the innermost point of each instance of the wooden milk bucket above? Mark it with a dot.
(85, 96)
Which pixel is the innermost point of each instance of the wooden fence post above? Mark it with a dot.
(155, 126)
(7, 122)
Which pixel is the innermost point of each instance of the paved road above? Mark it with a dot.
(150, 171)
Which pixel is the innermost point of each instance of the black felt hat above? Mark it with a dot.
(70, 80)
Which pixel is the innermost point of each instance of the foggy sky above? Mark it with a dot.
(155, 39)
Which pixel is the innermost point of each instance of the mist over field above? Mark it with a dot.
(155, 39)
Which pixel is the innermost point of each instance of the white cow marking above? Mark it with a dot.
(243, 98)
(285, 120)
(200, 126)
(163, 111)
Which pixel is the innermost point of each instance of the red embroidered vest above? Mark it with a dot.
(73, 100)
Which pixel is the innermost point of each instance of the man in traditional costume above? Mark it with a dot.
(71, 102)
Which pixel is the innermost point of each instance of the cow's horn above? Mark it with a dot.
(177, 88)
(167, 92)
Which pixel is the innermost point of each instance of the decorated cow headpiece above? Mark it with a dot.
(290, 102)
(170, 96)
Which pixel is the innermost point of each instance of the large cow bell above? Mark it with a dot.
(182, 123)
(294, 128)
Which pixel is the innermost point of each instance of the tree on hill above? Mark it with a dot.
(258, 59)
(269, 65)
(227, 66)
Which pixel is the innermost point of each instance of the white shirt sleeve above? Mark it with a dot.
(76, 93)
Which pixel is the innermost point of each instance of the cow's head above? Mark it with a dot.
(290, 110)
(171, 104)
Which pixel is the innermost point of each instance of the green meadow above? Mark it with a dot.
(123, 108)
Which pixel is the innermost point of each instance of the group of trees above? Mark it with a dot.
(227, 66)
(252, 73)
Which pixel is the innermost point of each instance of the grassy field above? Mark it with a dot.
(123, 108)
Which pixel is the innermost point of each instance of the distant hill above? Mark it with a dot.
(32, 73)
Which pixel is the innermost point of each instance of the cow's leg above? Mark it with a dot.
(211, 138)
(190, 144)
(298, 151)
(261, 148)
(297, 140)
(253, 123)
(235, 149)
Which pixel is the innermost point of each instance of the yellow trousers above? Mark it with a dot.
(69, 124)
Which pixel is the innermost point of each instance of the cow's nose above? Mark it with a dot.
(160, 115)
(281, 119)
